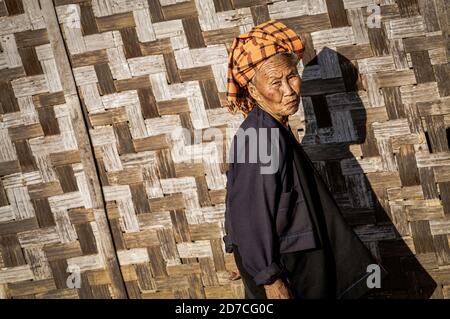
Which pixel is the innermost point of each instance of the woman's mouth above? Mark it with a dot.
(293, 102)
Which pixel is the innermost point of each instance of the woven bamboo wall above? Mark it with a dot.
(144, 69)
(52, 218)
(375, 120)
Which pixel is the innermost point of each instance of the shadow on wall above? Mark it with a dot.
(329, 95)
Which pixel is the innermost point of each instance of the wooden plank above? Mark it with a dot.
(25, 155)
(436, 133)
(174, 106)
(145, 238)
(59, 272)
(308, 24)
(189, 169)
(7, 98)
(193, 32)
(393, 102)
(204, 231)
(399, 78)
(49, 99)
(170, 202)
(81, 216)
(25, 132)
(30, 61)
(125, 176)
(140, 199)
(87, 19)
(148, 103)
(337, 14)
(48, 120)
(181, 226)
(157, 264)
(43, 212)
(196, 74)
(237, 4)
(3, 9)
(444, 188)
(9, 167)
(260, 14)
(151, 143)
(65, 158)
(171, 67)
(62, 251)
(158, 46)
(105, 79)
(210, 94)
(442, 73)
(109, 117)
(442, 249)
(44, 190)
(422, 43)
(378, 41)
(408, 8)
(18, 226)
(86, 238)
(66, 178)
(422, 238)
(124, 140)
(14, 7)
(135, 83)
(31, 38)
(31, 287)
(89, 58)
(101, 292)
(221, 36)
(422, 66)
(355, 52)
(179, 10)
(223, 5)
(117, 234)
(11, 251)
(408, 172)
(130, 42)
(144, 276)
(115, 22)
(209, 275)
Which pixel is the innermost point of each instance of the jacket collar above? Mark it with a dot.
(269, 119)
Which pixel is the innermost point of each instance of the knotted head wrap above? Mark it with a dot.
(247, 53)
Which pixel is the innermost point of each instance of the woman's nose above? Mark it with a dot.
(288, 89)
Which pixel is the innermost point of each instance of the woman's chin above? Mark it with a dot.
(291, 109)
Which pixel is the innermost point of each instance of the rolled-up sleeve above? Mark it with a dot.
(255, 199)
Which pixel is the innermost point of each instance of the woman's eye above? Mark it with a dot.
(276, 83)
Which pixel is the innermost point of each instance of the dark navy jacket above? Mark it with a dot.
(288, 211)
(265, 213)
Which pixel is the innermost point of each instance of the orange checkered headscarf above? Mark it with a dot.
(247, 53)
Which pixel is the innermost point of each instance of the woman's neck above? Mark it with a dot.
(284, 120)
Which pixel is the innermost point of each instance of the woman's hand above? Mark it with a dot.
(277, 290)
(234, 275)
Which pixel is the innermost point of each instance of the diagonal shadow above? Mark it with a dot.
(329, 95)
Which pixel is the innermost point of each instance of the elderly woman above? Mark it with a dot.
(287, 234)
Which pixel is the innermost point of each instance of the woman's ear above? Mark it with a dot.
(253, 91)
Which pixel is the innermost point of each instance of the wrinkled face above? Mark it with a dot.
(276, 85)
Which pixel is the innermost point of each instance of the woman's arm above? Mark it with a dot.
(254, 202)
